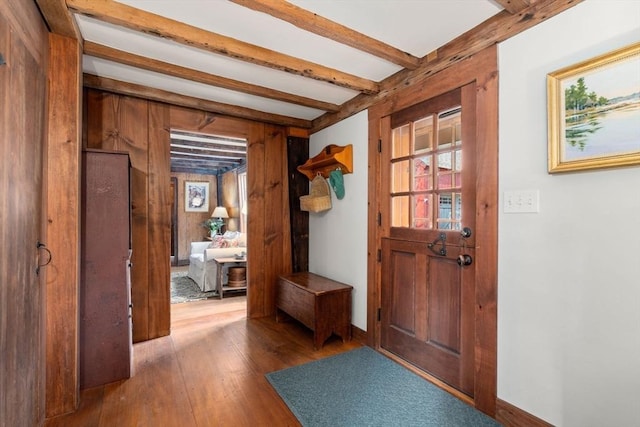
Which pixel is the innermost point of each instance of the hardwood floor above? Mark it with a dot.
(208, 372)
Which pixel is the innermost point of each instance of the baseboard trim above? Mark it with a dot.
(359, 335)
(511, 416)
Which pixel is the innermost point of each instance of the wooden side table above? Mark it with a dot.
(221, 263)
(321, 304)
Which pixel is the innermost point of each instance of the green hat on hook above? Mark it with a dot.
(337, 183)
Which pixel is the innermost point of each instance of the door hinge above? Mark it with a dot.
(379, 255)
(380, 146)
(379, 219)
(379, 313)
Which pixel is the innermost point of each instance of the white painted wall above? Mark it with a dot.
(338, 237)
(569, 276)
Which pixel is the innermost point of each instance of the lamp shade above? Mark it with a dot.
(220, 212)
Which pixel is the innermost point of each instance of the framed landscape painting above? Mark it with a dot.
(196, 196)
(594, 112)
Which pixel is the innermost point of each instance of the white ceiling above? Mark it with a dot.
(414, 26)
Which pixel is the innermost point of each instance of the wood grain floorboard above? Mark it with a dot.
(208, 372)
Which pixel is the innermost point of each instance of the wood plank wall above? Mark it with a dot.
(122, 123)
(298, 154)
(229, 198)
(115, 123)
(63, 224)
(23, 80)
(273, 207)
(159, 222)
(189, 226)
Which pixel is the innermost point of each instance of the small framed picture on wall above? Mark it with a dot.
(196, 196)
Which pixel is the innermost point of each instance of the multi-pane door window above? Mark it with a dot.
(426, 166)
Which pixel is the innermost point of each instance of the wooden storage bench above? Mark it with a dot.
(323, 305)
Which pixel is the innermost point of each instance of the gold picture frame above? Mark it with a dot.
(594, 112)
(196, 196)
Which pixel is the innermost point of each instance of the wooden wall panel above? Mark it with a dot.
(202, 121)
(140, 127)
(122, 123)
(159, 215)
(63, 225)
(23, 45)
(277, 234)
(229, 199)
(190, 223)
(487, 236)
(297, 154)
(256, 219)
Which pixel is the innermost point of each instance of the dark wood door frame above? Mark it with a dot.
(481, 69)
(174, 222)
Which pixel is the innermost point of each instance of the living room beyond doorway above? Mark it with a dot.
(185, 290)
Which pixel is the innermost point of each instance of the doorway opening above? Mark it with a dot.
(209, 222)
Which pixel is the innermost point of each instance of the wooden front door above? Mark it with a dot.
(433, 202)
(427, 286)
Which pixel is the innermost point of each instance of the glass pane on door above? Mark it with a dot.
(422, 217)
(400, 207)
(422, 173)
(426, 187)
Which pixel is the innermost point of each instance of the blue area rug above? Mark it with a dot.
(364, 388)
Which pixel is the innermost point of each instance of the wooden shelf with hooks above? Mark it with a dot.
(331, 157)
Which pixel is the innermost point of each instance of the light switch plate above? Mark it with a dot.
(522, 201)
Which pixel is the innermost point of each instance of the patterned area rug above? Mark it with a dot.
(183, 289)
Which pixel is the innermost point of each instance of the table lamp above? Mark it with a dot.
(218, 213)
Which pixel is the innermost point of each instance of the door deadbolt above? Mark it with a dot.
(464, 260)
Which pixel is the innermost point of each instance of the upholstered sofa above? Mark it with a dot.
(203, 269)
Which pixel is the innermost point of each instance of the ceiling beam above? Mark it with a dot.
(132, 89)
(179, 32)
(208, 154)
(211, 149)
(197, 170)
(514, 6)
(59, 18)
(149, 64)
(316, 24)
(496, 29)
(192, 161)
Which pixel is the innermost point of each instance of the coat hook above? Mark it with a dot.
(2, 61)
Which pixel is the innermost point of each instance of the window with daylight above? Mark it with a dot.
(242, 193)
(426, 166)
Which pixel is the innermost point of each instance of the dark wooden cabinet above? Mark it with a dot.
(106, 347)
